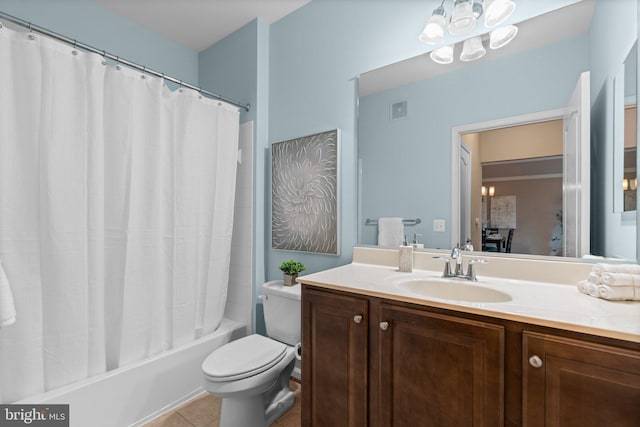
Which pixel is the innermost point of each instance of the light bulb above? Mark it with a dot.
(497, 11)
(502, 36)
(443, 55)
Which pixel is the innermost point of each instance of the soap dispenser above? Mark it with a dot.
(468, 246)
(405, 264)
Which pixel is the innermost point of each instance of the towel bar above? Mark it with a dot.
(404, 221)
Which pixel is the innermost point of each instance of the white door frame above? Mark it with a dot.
(465, 223)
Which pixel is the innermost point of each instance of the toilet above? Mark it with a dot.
(251, 374)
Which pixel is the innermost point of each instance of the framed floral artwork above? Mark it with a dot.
(304, 194)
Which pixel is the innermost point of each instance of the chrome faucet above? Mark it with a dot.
(456, 254)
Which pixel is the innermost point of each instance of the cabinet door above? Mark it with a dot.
(334, 359)
(575, 383)
(439, 370)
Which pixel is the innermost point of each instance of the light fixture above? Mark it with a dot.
(497, 11)
(625, 184)
(464, 18)
(472, 49)
(500, 37)
(443, 55)
(633, 184)
(433, 32)
(483, 191)
(492, 191)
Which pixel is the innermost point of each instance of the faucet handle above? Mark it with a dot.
(447, 271)
(471, 273)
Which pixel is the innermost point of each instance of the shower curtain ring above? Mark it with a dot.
(117, 62)
(144, 70)
(31, 36)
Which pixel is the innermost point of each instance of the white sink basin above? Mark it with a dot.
(452, 289)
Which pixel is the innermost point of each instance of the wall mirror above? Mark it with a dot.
(626, 130)
(413, 116)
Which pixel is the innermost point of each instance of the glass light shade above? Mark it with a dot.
(497, 11)
(434, 30)
(634, 184)
(625, 184)
(502, 36)
(472, 49)
(462, 19)
(443, 55)
(492, 190)
(483, 191)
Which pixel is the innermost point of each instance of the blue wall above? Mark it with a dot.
(238, 68)
(536, 80)
(613, 32)
(93, 25)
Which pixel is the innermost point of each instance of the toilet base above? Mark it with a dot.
(280, 398)
(243, 412)
(259, 410)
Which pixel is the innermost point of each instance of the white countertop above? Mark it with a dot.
(548, 304)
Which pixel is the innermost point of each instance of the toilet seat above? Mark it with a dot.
(243, 358)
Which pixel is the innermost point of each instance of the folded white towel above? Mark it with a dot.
(601, 268)
(7, 308)
(620, 279)
(620, 293)
(594, 278)
(390, 231)
(586, 287)
(582, 286)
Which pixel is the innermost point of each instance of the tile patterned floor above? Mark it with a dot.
(204, 411)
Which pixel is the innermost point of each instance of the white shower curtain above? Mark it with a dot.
(116, 211)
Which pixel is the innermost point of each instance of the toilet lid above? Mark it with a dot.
(243, 358)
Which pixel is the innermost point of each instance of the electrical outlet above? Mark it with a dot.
(438, 225)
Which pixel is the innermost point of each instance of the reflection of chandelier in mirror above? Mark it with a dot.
(464, 19)
(492, 191)
(630, 184)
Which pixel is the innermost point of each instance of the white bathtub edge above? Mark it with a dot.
(141, 391)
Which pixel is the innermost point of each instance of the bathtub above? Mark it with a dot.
(135, 394)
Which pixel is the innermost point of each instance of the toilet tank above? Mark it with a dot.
(282, 311)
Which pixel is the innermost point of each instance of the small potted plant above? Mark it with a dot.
(291, 269)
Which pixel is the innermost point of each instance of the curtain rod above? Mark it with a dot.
(77, 44)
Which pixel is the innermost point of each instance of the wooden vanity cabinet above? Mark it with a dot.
(371, 362)
(375, 362)
(568, 382)
(437, 370)
(335, 359)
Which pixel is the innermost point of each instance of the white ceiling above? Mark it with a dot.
(197, 24)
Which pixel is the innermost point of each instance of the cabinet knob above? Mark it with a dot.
(535, 361)
(384, 325)
(357, 318)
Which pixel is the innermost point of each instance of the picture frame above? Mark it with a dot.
(305, 194)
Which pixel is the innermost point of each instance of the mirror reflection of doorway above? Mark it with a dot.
(520, 168)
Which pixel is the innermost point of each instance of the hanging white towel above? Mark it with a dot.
(390, 231)
(7, 308)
